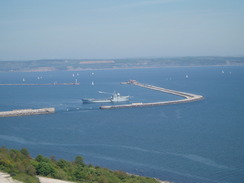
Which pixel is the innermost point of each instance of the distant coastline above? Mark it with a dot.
(106, 64)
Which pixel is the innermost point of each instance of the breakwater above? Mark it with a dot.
(31, 84)
(188, 97)
(26, 112)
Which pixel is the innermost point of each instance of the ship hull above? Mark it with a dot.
(116, 97)
(89, 101)
(110, 100)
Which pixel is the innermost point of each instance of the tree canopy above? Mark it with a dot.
(22, 167)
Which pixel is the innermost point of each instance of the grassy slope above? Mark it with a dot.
(22, 167)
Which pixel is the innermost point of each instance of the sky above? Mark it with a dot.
(111, 29)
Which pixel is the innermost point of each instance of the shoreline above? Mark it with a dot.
(122, 68)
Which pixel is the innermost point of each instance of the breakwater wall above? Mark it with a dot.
(188, 97)
(27, 112)
(33, 84)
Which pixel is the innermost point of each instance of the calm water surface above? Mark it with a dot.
(200, 142)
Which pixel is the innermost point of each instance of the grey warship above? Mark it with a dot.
(115, 97)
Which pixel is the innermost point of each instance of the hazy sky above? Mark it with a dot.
(39, 29)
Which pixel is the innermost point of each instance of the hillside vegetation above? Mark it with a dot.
(22, 167)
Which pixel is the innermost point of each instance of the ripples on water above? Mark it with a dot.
(194, 142)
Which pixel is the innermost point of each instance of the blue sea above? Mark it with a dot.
(198, 142)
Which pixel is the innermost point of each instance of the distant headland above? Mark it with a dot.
(107, 64)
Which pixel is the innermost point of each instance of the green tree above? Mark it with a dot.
(60, 174)
(25, 152)
(45, 169)
(22, 167)
(30, 170)
(79, 161)
(39, 158)
(63, 164)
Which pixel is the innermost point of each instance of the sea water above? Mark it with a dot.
(198, 142)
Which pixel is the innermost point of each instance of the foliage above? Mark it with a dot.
(18, 165)
(45, 169)
(22, 167)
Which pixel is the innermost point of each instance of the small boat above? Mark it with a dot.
(116, 97)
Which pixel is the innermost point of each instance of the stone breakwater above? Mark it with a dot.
(27, 112)
(188, 97)
(34, 84)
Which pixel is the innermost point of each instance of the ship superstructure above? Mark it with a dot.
(115, 97)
